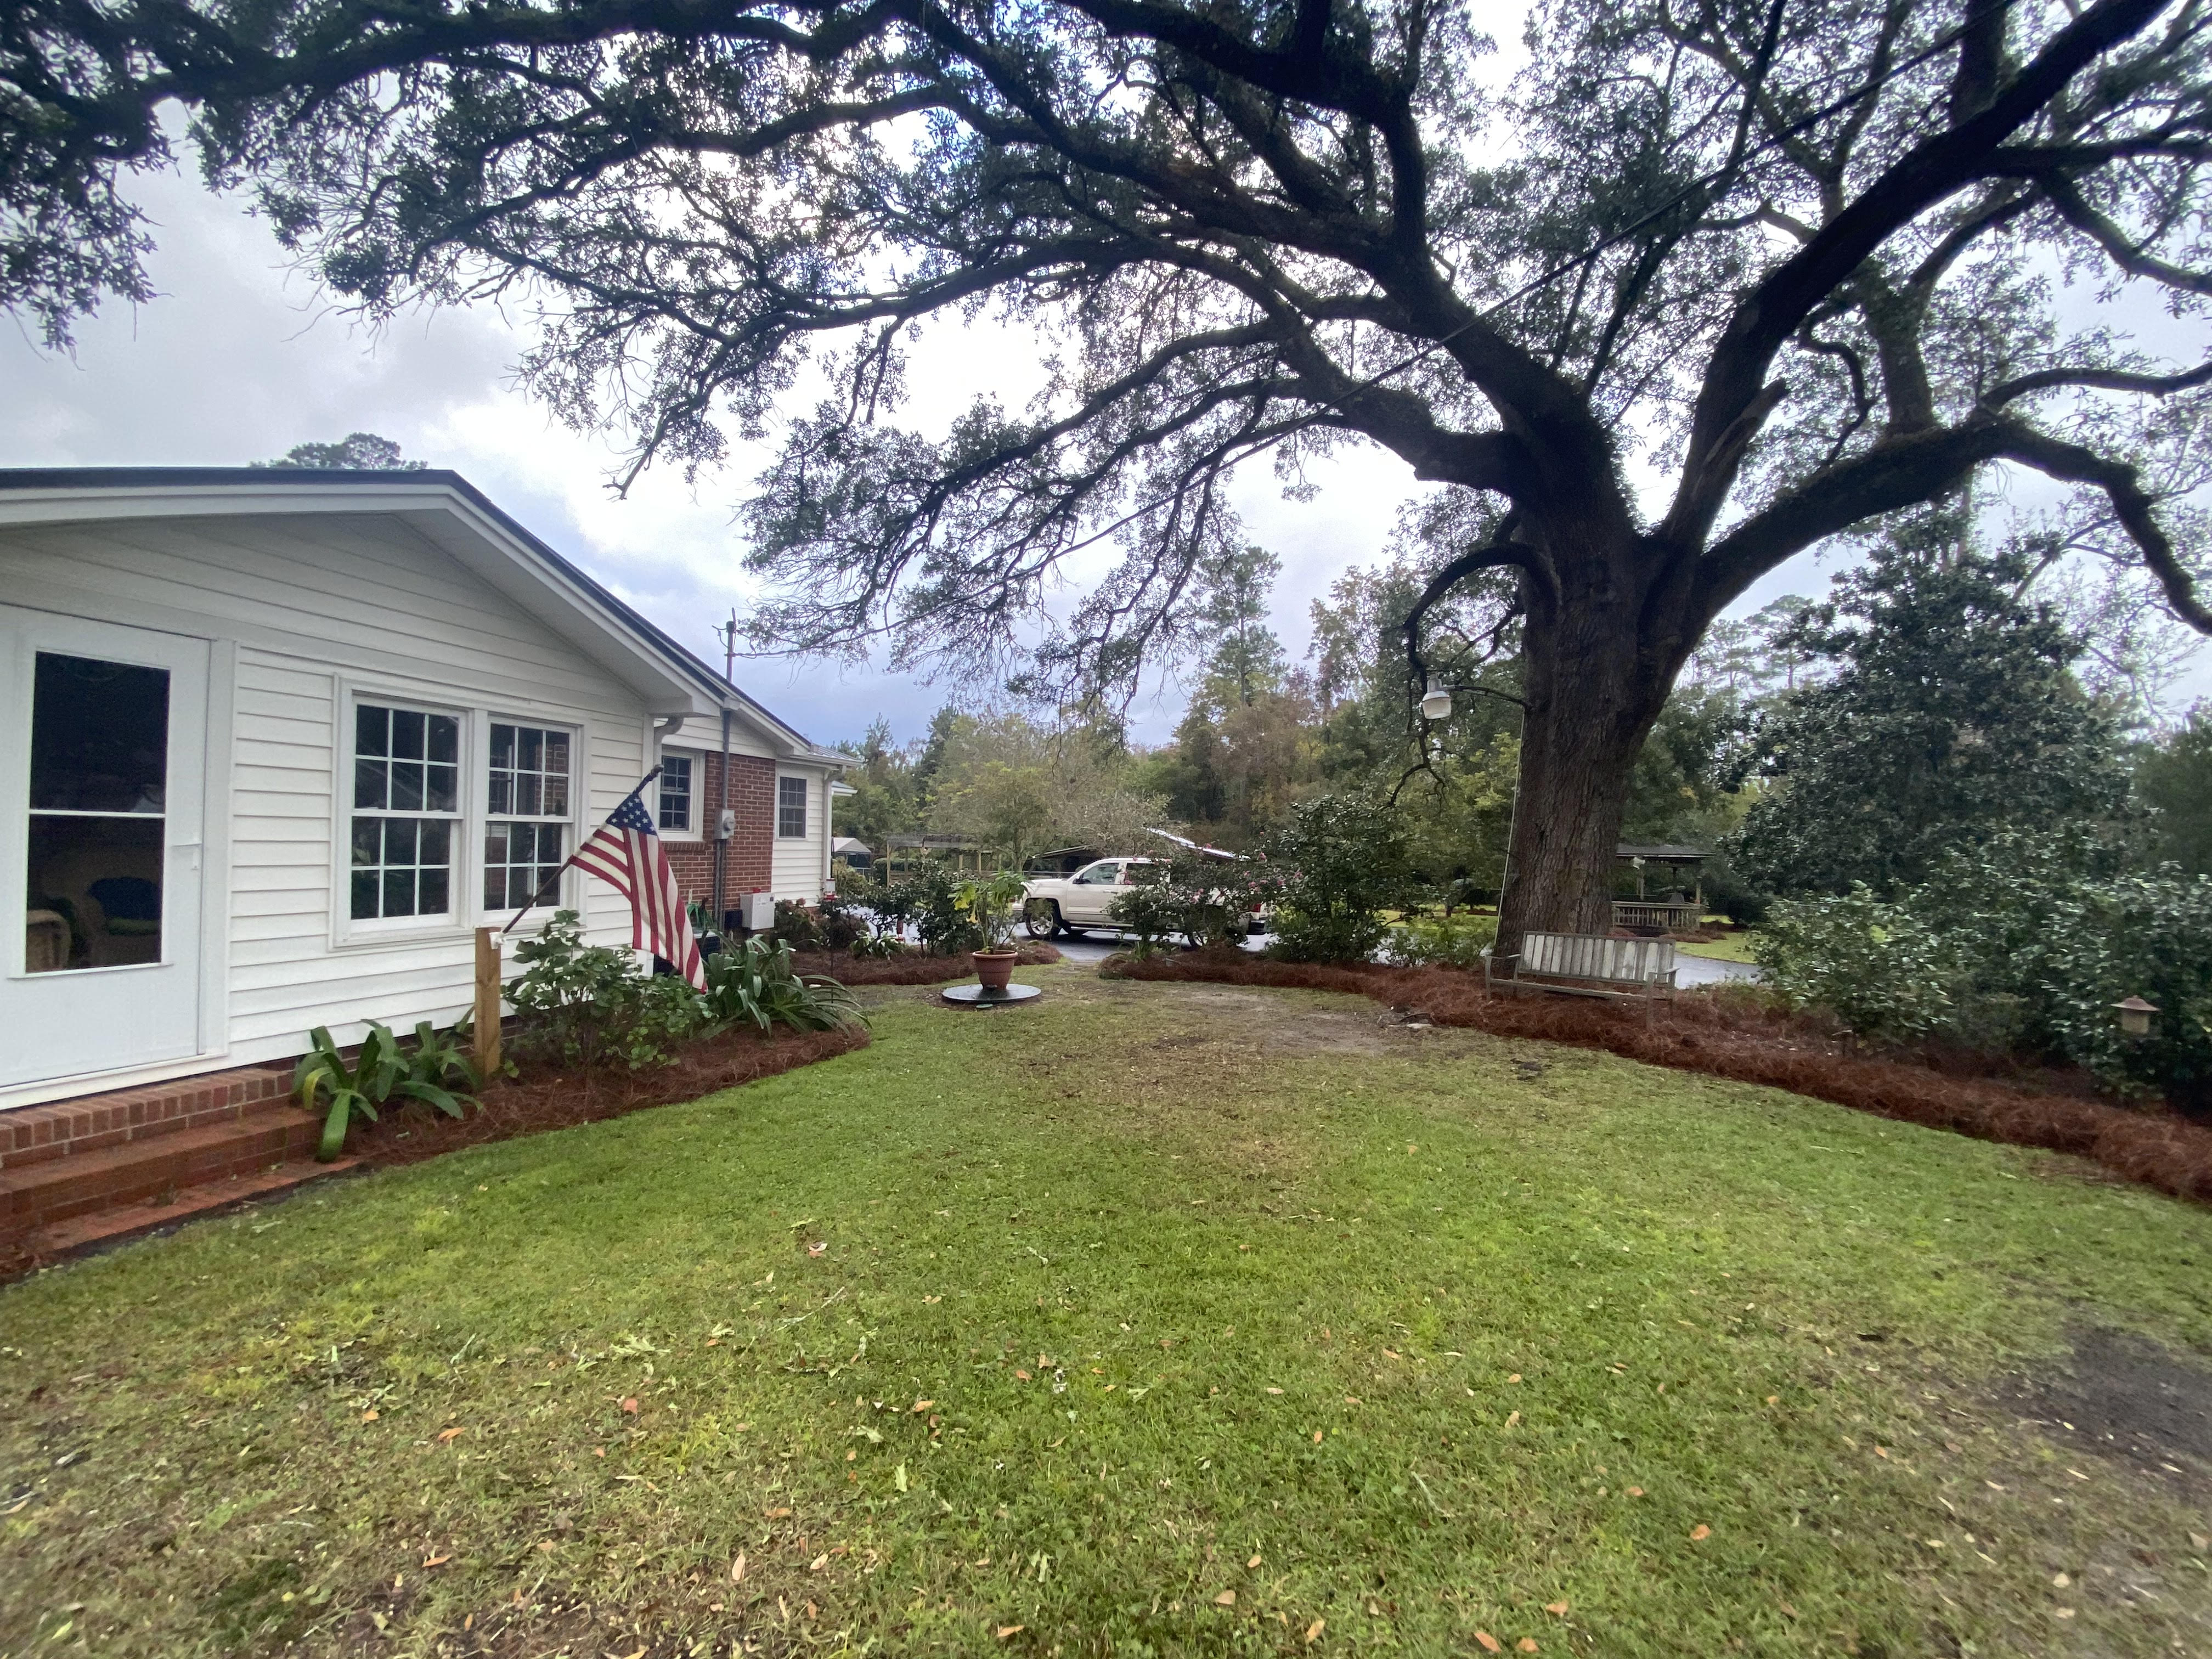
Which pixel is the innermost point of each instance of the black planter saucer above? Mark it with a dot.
(977, 996)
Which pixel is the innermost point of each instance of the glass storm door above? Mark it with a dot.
(103, 734)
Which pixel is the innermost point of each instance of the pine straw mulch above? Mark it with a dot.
(1742, 1038)
(545, 1098)
(913, 968)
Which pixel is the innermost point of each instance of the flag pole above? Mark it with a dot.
(546, 886)
(489, 1044)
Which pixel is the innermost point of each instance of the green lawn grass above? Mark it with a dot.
(1729, 947)
(1150, 1319)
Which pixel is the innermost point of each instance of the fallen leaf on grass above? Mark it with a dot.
(1022, 1376)
(371, 1415)
(1516, 1377)
(1512, 1418)
(1700, 1531)
(1788, 1611)
(933, 1300)
(818, 1562)
(1314, 1631)
(1558, 1608)
(816, 1249)
(1527, 1644)
(1774, 1400)
(435, 1560)
(1636, 1492)
(1316, 1437)
(1226, 1598)
(629, 1405)
(2197, 1541)
(1254, 1562)
(738, 1569)
(779, 1515)
(1275, 1391)
(1490, 1643)
(1005, 1630)
(923, 1405)
(448, 1434)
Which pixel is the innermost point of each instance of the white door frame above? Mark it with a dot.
(210, 678)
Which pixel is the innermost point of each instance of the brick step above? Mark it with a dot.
(94, 1229)
(40, 1194)
(92, 1123)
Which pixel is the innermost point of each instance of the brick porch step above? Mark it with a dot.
(259, 1135)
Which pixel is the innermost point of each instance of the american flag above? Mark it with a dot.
(627, 854)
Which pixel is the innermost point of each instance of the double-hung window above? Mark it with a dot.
(405, 811)
(675, 791)
(528, 810)
(791, 808)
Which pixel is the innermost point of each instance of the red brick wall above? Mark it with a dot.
(751, 796)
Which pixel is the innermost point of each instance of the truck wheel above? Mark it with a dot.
(1041, 917)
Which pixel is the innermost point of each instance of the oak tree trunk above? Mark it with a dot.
(1594, 680)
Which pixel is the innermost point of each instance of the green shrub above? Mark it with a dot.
(930, 900)
(1441, 942)
(381, 1069)
(756, 983)
(587, 1004)
(1337, 863)
(797, 927)
(1152, 910)
(1869, 964)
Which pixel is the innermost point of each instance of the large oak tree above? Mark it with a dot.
(1711, 281)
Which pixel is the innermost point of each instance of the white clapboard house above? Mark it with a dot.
(273, 744)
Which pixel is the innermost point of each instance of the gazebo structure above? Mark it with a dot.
(1680, 904)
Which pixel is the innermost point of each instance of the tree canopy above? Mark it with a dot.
(1702, 286)
(358, 452)
(1947, 713)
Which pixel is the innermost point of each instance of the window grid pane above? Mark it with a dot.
(406, 761)
(401, 867)
(530, 771)
(790, 807)
(675, 793)
(518, 859)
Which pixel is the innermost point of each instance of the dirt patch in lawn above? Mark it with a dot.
(2125, 1396)
(544, 1100)
(1740, 1038)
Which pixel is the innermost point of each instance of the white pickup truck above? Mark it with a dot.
(1068, 905)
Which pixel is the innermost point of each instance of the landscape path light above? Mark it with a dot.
(2135, 1016)
(1436, 702)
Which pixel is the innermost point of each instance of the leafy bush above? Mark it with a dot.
(1337, 863)
(381, 1069)
(1441, 942)
(930, 900)
(991, 906)
(841, 923)
(758, 983)
(587, 1004)
(1869, 964)
(1152, 910)
(797, 927)
(2022, 942)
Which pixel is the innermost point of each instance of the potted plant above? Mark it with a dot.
(992, 906)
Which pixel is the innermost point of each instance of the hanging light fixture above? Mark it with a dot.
(1436, 702)
(2135, 1016)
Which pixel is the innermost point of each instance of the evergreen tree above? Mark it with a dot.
(1949, 710)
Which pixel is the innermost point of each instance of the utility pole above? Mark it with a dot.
(727, 633)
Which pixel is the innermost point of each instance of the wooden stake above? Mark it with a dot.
(487, 1019)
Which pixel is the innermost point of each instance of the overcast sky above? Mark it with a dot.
(237, 362)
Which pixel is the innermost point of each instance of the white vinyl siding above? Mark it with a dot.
(797, 861)
(319, 605)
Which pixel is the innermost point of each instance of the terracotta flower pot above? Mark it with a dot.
(995, 968)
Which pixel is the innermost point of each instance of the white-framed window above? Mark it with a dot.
(529, 795)
(791, 809)
(676, 773)
(404, 818)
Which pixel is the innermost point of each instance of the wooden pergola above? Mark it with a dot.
(1645, 914)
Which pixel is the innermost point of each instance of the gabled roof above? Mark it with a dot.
(454, 514)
